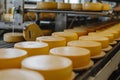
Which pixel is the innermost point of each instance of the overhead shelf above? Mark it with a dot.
(101, 13)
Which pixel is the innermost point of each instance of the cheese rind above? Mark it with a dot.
(11, 58)
(47, 5)
(64, 6)
(51, 67)
(13, 37)
(33, 48)
(94, 47)
(52, 41)
(103, 40)
(68, 35)
(19, 74)
(79, 56)
(76, 6)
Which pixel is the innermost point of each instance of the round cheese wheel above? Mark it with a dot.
(110, 36)
(68, 35)
(51, 67)
(106, 7)
(47, 32)
(52, 41)
(92, 6)
(47, 16)
(13, 37)
(79, 56)
(46, 5)
(94, 47)
(7, 17)
(33, 48)
(103, 40)
(77, 31)
(19, 74)
(11, 58)
(76, 6)
(64, 6)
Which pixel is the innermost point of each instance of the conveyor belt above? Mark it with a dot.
(6, 45)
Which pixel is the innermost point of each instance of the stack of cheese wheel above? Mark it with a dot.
(79, 56)
(110, 36)
(19, 74)
(68, 35)
(76, 6)
(13, 37)
(106, 7)
(94, 47)
(79, 32)
(52, 41)
(33, 48)
(103, 40)
(64, 6)
(92, 6)
(51, 67)
(47, 5)
(11, 58)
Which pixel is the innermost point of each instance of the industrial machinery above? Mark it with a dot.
(64, 19)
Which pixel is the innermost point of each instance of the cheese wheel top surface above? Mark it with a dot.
(19, 74)
(31, 44)
(46, 62)
(67, 34)
(84, 43)
(50, 38)
(11, 53)
(69, 51)
(97, 38)
(14, 34)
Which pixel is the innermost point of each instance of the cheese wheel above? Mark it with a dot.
(64, 6)
(31, 32)
(76, 6)
(13, 37)
(106, 7)
(47, 5)
(33, 48)
(110, 36)
(94, 47)
(52, 41)
(68, 35)
(7, 17)
(77, 31)
(19, 74)
(11, 58)
(92, 6)
(103, 40)
(47, 32)
(47, 16)
(79, 56)
(51, 67)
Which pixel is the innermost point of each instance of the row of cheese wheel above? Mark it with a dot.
(61, 67)
(67, 6)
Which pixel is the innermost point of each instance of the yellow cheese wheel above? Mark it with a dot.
(11, 58)
(46, 5)
(33, 48)
(47, 32)
(19, 74)
(110, 36)
(13, 37)
(94, 47)
(31, 32)
(52, 41)
(77, 31)
(47, 16)
(68, 35)
(106, 7)
(89, 6)
(79, 56)
(64, 6)
(103, 40)
(76, 6)
(7, 17)
(51, 67)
